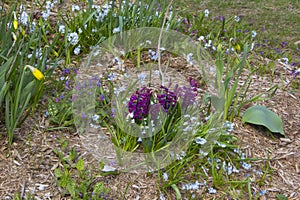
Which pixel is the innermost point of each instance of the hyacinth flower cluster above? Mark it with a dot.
(140, 102)
(167, 99)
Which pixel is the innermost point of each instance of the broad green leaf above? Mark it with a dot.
(58, 173)
(71, 188)
(281, 197)
(80, 165)
(260, 115)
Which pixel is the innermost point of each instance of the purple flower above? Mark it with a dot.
(139, 104)
(221, 18)
(283, 44)
(295, 73)
(65, 71)
(73, 97)
(67, 84)
(193, 84)
(185, 21)
(167, 99)
(102, 97)
(99, 83)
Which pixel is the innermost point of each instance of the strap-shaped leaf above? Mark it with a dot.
(260, 115)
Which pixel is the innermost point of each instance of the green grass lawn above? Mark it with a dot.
(276, 21)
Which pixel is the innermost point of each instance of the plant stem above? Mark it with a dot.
(159, 43)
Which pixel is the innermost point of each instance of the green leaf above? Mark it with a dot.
(58, 173)
(177, 192)
(80, 165)
(281, 197)
(260, 115)
(71, 188)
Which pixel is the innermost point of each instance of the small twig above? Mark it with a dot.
(23, 189)
(159, 42)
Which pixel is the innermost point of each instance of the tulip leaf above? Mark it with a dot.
(261, 115)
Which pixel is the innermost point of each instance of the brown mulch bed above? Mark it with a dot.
(27, 167)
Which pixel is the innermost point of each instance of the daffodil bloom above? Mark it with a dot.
(15, 22)
(238, 47)
(36, 72)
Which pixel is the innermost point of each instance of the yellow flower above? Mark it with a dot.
(238, 47)
(15, 22)
(36, 73)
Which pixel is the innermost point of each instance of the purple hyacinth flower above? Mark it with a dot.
(139, 104)
(167, 99)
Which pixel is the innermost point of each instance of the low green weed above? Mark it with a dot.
(75, 178)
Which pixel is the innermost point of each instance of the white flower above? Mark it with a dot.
(229, 126)
(116, 30)
(153, 54)
(46, 14)
(200, 140)
(61, 28)
(252, 46)
(165, 176)
(246, 165)
(32, 28)
(284, 60)
(95, 117)
(120, 89)
(208, 44)
(21, 8)
(170, 15)
(129, 116)
(161, 196)
(94, 126)
(77, 50)
(212, 191)
(79, 30)
(142, 77)
(201, 152)
(189, 58)
(73, 38)
(237, 18)
(24, 18)
(94, 30)
(253, 34)
(49, 5)
(206, 12)
(75, 8)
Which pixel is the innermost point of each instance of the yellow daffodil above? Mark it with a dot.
(238, 47)
(15, 22)
(36, 72)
